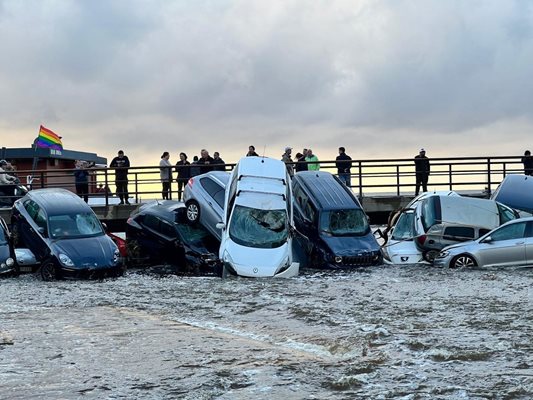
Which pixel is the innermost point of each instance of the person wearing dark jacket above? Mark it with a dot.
(343, 162)
(195, 168)
(183, 171)
(527, 160)
(81, 178)
(422, 171)
(121, 163)
(251, 152)
(205, 162)
(218, 163)
(301, 164)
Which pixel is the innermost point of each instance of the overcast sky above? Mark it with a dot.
(382, 78)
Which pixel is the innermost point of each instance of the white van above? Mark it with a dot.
(258, 222)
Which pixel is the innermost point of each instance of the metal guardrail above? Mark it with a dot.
(368, 177)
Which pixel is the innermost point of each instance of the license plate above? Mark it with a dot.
(25, 269)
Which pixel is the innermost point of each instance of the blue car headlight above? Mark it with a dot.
(443, 254)
(10, 262)
(65, 260)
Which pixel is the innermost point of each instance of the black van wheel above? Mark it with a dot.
(430, 255)
(48, 270)
(193, 211)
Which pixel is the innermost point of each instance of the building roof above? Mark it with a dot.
(44, 153)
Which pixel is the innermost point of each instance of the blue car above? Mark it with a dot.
(65, 236)
(333, 228)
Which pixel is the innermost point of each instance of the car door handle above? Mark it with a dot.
(520, 243)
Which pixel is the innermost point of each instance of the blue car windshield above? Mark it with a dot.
(252, 227)
(74, 226)
(350, 222)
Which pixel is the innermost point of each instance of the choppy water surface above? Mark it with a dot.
(384, 332)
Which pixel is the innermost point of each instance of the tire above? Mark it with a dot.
(48, 270)
(463, 261)
(193, 211)
(430, 255)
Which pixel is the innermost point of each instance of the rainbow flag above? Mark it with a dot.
(48, 139)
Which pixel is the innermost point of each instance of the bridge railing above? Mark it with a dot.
(368, 177)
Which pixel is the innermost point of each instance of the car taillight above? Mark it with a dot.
(130, 220)
(191, 181)
(421, 239)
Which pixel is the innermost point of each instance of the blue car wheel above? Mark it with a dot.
(48, 270)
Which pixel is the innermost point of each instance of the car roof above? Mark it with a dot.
(166, 209)
(221, 176)
(327, 191)
(264, 167)
(56, 201)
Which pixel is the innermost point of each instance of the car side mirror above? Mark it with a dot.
(106, 229)
(488, 239)
(221, 225)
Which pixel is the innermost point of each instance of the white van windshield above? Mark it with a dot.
(351, 222)
(252, 227)
(74, 225)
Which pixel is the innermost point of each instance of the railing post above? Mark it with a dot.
(504, 169)
(489, 180)
(450, 175)
(106, 186)
(360, 179)
(136, 188)
(397, 180)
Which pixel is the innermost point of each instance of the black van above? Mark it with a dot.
(333, 228)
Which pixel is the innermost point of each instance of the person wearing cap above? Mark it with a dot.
(5, 178)
(286, 158)
(422, 171)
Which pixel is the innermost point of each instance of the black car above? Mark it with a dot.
(7, 255)
(334, 229)
(64, 234)
(159, 232)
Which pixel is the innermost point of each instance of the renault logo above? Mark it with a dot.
(404, 259)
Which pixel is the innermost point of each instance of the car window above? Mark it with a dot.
(151, 221)
(32, 208)
(529, 230)
(405, 227)
(506, 214)
(252, 227)
(460, 232)
(219, 197)
(210, 186)
(350, 222)
(167, 229)
(40, 219)
(509, 232)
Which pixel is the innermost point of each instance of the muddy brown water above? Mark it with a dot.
(376, 333)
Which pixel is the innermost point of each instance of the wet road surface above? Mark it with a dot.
(375, 333)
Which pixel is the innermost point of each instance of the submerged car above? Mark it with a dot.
(509, 245)
(160, 233)
(204, 199)
(64, 234)
(258, 220)
(334, 228)
(433, 221)
(516, 191)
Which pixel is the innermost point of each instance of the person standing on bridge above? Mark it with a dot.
(527, 160)
(121, 163)
(312, 161)
(343, 162)
(422, 171)
(183, 170)
(165, 173)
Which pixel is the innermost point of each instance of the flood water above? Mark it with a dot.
(376, 333)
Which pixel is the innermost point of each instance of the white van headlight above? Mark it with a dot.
(65, 260)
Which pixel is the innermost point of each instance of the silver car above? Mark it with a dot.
(508, 245)
(204, 198)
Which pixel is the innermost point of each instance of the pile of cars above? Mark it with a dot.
(258, 221)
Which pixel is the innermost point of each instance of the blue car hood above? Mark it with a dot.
(351, 245)
(86, 252)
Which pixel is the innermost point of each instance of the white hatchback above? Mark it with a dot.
(258, 222)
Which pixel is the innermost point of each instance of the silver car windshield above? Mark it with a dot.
(405, 227)
(252, 227)
(74, 226)
(344, 222)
